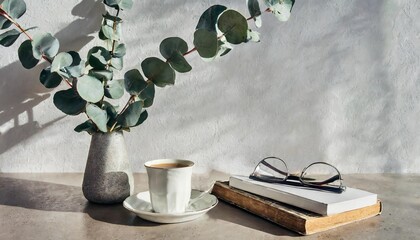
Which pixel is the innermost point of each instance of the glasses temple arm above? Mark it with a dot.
(273, 168)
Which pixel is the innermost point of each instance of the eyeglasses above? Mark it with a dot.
(319, 175)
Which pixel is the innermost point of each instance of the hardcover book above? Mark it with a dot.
(314, 200)
(296, 219)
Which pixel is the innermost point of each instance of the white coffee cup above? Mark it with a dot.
(169, 184)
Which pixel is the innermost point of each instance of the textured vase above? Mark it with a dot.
(108, 177)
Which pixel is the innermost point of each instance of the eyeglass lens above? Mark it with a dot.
(272, 168)
(321, 174)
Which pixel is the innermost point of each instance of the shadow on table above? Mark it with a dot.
(46, 196)
(232, 214)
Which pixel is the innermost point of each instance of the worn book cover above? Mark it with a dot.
(293, 218)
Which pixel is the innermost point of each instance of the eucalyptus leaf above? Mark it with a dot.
(255, 11)
(4, 22)
(103, 75)
(148, 95)
(101, 35)
(111, 113)
(69, 102)
(114, 89)
(148, 102)
(280, 9)
(87, 126)
(209, 17)
(158, 71)
(15, 8)
(110, 33)
(172, 45)
(179, 63)
(142, 118)
(50, 79)
(134, 82)
(206, 43)
(234, 26)
(98, 57)
(26, 56)
(117, 63)
(131, 115)
(173, 49)
(9, 37)
(77, 65)
(45, 44)
(120, 51)
(90, 88)
(61, 61)
(98, 116)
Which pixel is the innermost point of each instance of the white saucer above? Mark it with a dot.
(140, 205)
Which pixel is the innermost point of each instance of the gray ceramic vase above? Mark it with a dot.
(108, 177)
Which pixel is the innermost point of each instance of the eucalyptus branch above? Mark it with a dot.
(102, 61)
(114, 27)
(195, 49)
(8, 17)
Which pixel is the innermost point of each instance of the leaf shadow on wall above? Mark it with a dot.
(20, 89)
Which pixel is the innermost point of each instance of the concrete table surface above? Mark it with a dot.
(52, 206)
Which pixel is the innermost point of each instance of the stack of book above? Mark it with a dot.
(303, 210)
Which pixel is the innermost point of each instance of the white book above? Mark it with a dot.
(321, 202)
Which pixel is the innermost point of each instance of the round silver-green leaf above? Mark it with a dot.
(142, 118)
(45, 44)
(98, 116)
(173, 49)
(26, 56)
(234, 26)
(120, 51)
(134, 82)
(117, 63)
(103, 75)
(158, 71)
(50, 79)
(131, 115)
(87, 126)
(61, 61)
(209, 17)
(15, 8)
(169, 46)
(98, 57)
(69, 102)
(206, 43)
(90, 88)
(9, 37)
(77, 66)
(114, 89)
(148, 95)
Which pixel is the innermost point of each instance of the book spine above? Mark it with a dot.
(260, 207)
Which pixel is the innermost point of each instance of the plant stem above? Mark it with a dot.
(122, 110)
(192, 50)
(8, 17)
(114, 28)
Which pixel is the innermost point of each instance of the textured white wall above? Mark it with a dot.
(337, 83)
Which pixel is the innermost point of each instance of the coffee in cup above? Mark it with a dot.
(169, 184)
